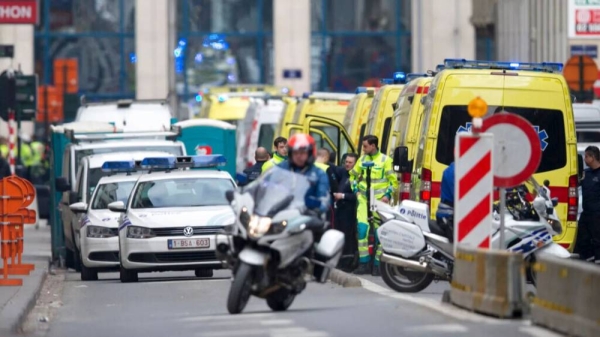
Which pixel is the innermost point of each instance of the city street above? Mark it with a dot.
(173, 304)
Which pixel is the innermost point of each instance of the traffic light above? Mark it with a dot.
(26, 95)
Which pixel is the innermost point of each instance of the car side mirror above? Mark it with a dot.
(400, 160)
(229, 195)
(395, 106)
(62, 185)
(78, 207)
(554, 202)
(73, 197)
(580, 166)
(117, 206)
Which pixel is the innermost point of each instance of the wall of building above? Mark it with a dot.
(440, 32)
(532, 30)
(21, 37)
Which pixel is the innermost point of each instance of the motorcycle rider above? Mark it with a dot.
(302, 152)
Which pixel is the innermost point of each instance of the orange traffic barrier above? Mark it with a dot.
(16, 194)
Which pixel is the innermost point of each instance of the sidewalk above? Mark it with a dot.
(15, 302)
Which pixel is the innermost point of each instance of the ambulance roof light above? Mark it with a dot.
(412, 76)
(399, 77)
(361, 90)
(550, 67)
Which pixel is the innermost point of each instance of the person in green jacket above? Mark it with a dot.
(279, 155)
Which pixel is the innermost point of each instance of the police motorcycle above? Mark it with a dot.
(276, 241)
(416, 250)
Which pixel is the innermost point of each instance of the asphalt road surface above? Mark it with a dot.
(179, 304)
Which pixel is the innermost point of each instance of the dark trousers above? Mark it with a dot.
(588, 236)
(345, 221)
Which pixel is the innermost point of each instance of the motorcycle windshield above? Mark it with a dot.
(279, 189)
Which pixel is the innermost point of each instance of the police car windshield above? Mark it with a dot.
(183, 192)
(549, 125)
(111, 192)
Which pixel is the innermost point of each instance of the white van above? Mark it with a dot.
(587, 122)
(258, 128)
(128, 115)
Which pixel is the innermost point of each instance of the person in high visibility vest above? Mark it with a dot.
(26, 153)
(280, 154)
(383, 182)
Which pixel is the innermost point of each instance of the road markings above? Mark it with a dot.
(537, 332)
(227, 317)
(438, 306)
(438, 328)
(243, 332)
(276, 322)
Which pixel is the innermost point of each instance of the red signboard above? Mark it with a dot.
(19, 11)
(587, 22)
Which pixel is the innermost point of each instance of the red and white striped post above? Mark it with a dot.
(12, 140)
(474, 180)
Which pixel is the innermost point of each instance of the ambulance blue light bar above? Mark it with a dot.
(399, 77)
(221, 98)
(169, 163)
(412, 76)
(386, 81)
(118, 166)
(360, 90)
(549, 67)
(306, 95)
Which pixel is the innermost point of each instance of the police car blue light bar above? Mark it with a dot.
(211, 160)
(549, 67)
(412, 76)
(399, 77)
(360, 90)
(158, 163)
(386, 81)
(118, 166)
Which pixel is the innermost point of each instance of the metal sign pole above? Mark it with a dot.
(502, 214)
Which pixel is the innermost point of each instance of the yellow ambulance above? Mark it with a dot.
(537, 92)
(355, 120)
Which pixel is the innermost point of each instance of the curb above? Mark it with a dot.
(344, 279)
(22, 317)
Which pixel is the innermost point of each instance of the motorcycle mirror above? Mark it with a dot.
(554, 202)
(229, 195)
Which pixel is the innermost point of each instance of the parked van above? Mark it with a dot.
(535, 92)
(258, 129)
(128, 115)
(291, 103)
(321, 115)
(230, 107)
(587, 122)
(379, 121)
(355, 120)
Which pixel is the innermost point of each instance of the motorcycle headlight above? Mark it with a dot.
(258, 226)
(135, 232)
(99, 232)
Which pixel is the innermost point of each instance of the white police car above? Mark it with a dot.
(99, 240)
(172, 216)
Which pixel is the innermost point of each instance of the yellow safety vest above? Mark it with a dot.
(26, 153)
(322, 166)
(277, 158)
(383, 178)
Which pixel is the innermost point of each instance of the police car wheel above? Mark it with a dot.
(128, 276)
(204, 272)
(88, 274)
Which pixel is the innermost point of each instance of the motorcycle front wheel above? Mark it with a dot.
(403, 280)
(240, 290)
(280, 300)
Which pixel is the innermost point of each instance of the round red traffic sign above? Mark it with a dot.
(517, 150)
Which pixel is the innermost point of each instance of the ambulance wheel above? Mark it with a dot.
(403, 280)
(128, 276)
(204, 273)
(88, 274)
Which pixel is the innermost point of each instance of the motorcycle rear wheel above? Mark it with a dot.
(240, 290)
(413, 282)
(280, 300)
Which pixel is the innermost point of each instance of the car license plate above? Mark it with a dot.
(189, 243)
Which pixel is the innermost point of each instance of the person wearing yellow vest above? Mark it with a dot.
(322, 159)
(383, 183)
(279, 155)
(26, 153)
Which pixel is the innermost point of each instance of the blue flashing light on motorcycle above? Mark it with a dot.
(118, 166)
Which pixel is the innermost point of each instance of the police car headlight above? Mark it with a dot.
(135, 232)
(99, 232)
(258, 226)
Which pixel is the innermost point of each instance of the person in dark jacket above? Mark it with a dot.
(345, 212)
(261, 155)
(588, 231)
(4, 168)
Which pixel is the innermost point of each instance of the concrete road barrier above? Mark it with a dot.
(568, 297)
(490, 282)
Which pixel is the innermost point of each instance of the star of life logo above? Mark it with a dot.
(542, 134)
